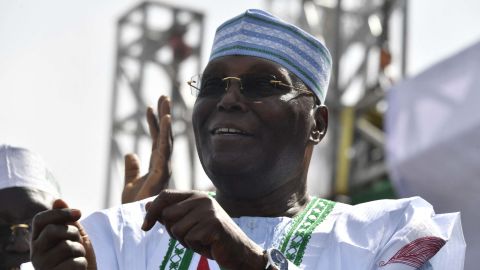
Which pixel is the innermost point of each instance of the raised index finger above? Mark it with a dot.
(54, 216)
(164, 199)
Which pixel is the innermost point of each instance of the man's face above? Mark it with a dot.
(241, 139)
(18, 205)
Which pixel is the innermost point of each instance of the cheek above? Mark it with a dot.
(287, 119)
(200, 113)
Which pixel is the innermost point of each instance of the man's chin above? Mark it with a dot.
(13, 262)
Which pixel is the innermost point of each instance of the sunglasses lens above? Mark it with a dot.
(211, 87)
(260, 86)
(251, 86)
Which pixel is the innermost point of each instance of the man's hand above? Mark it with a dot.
(140, 187)
(59, 241)
(199, 223)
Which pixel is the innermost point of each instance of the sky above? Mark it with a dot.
(56, 73)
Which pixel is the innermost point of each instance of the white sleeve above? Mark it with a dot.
(26, 266)
(105, 244)
(120, 243)
(422, 240)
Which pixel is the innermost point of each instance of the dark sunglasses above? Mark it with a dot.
(251, 86)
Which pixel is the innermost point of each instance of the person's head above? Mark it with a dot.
(26, 188)
(260, 107)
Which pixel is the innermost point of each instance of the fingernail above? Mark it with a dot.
(144, 225)
(75, 213)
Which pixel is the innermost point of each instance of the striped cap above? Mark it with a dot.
(258, 33)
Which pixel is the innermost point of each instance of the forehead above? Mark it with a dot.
(18, 204)
(234, 65)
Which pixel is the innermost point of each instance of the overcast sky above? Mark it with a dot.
(56, 68)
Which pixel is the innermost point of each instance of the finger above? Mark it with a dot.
(175, 212)
(160, 170)
(152, 126)
(147, 205)
(165, 140)
(61, 252)
(54, 216)
(163, 106)
(52, 234)
(178, 228)
(87, 244)
(132, 168)
(59, 204)
(156, 120)
(198, 240)
(165, 198)
(79, 263)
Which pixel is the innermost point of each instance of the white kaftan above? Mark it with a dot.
(385, 234)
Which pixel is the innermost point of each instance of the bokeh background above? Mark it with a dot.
(57, 72)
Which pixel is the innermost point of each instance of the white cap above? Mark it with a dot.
(20, 167)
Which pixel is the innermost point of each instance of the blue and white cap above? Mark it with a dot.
(258, 33)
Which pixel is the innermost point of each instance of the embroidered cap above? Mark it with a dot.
(258, 33)
(20, 167)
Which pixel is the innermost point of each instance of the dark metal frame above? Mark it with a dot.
(143, 49)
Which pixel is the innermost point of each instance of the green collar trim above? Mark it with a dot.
(303, 225)
(293, 245)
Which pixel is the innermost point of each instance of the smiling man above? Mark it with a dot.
(259, 112)
(26, 188)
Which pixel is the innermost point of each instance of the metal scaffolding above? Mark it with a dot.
(367, 40)
(158, 42)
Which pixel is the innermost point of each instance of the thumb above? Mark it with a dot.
(132, 168)
(59, 204)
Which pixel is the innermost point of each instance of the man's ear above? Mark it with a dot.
(321, 124)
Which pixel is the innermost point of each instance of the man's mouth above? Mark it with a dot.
(229, 131)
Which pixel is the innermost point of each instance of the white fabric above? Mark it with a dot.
(433, 146)
(20, 167)
(350, 237)
(26, 266)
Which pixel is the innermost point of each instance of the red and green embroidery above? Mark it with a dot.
(293, 245)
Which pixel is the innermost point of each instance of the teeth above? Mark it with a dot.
(228, 131)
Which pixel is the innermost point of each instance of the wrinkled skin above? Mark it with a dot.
(200, 223)
(139, 187)
(59, 241)
(261, 172)
(280, 128)
(18, 205)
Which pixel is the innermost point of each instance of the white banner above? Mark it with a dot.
(433, 141)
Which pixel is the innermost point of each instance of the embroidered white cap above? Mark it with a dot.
(20, 167)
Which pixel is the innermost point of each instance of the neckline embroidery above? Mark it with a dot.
(293, 243)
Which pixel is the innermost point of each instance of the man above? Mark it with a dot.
(258, 115)
(26, 188)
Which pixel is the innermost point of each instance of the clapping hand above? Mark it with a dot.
(139, 187)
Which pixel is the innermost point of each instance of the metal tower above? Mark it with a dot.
(367, 40)
(156, 44)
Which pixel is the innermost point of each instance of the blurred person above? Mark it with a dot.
(259, 113)
(27, 187)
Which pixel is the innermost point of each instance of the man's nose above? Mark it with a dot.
(19, 241)
(233, 99)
